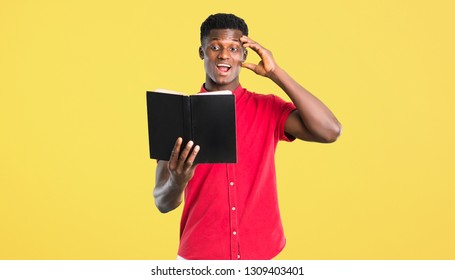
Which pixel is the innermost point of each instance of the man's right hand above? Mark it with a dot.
(172, 176)
(181, 165)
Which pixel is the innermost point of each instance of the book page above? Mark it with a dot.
(221, 92)
(168, 91)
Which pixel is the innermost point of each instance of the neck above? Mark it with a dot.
(211, 86)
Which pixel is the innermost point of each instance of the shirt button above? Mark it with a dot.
(231, 183)
(234, 233)
(233, 208)
(238, 256)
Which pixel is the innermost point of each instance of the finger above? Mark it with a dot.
(245, 39)
(253, 45)
(250, 66)
(184, 154)
(175, 154)
(257, 48)
(189, 162)
(247, 42)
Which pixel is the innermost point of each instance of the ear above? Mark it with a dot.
(201, 53)
(245, 54)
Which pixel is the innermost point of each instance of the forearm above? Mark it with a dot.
(168, 195)
(172, 176)
(316, 117)
(168, 192)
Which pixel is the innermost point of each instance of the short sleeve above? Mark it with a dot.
(282, 110)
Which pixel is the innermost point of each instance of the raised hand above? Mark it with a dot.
(267, 65)
(313, 120)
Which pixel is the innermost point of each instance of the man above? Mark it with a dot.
(231, 210)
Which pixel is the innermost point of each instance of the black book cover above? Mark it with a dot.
(206, 118)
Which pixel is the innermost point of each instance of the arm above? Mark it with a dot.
(312, 121)
(172, 176)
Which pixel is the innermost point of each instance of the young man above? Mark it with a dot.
(231, 210)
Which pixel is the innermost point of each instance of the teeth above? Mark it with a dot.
(224, 65)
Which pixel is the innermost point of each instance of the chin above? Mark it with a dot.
(222, 81)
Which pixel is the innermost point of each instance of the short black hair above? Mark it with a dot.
(223, 21)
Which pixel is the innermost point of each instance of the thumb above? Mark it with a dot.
(250, 66)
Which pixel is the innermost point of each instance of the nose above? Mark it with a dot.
(223, 54)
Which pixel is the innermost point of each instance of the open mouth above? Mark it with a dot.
(223, 67)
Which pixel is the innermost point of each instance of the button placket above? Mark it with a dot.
(232, 191)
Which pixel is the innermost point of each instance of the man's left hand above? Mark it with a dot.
(267, 64)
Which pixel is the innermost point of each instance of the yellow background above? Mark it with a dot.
(75, 178)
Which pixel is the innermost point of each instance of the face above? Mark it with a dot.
(223, 56)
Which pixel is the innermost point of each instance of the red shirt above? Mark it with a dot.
(231, 210)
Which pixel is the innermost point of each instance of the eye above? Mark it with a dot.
(233, 49)
(214, 48)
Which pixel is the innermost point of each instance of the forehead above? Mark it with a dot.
(223, 35)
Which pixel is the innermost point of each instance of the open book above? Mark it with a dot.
(206, 118)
